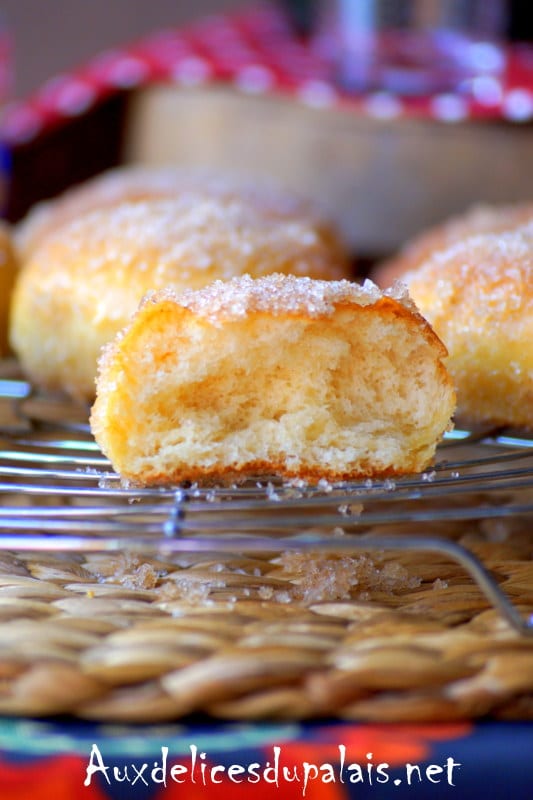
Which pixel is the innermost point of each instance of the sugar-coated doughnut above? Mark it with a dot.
(280, 375)
(85, 280)
(478, 295)
(132, 183)
(477, 220)
(8, 271)
(107, 189)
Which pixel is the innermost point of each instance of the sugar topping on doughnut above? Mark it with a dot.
(494, 270)
(480, 219)
(199, 233)
(138, 183)
(278, 294)
(84, 281)
(478, 295)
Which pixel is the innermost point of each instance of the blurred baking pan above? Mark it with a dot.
(244, 93)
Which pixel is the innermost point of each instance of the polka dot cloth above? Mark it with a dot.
(256, 52)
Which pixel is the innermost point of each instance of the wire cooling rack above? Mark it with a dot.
(58, 493)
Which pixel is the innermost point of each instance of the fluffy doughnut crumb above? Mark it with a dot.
(280, 375)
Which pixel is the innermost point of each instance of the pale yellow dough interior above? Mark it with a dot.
(287, 389)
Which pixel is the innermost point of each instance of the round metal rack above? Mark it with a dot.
(58, 493)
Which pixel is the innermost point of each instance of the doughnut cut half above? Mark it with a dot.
(282, 376)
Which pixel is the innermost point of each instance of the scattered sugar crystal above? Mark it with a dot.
(189, 588)
(134, 574)
(88, 470)
(108, 481)
(191, 591)
(297, 483)
(272, 495)
(283, 597)
(319, 578)
(350, 509)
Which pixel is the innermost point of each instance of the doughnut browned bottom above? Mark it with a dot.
(280, 376)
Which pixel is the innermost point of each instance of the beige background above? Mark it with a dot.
(380, 180)
(51, 36)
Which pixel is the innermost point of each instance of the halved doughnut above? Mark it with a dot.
(280, 376)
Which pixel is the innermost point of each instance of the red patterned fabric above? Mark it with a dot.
(255, 51)
(27, 775)
(51, 778)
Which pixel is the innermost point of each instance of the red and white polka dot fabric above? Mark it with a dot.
(256, 52)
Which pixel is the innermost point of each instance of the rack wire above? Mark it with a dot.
(58, 493)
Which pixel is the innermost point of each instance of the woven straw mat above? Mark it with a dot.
(391, 636)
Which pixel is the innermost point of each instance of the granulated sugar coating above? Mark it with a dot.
(278, 295)
(224, 237)
(84, 281)
(477, 220)
(278, 376)
(478, 295)
(138, 183)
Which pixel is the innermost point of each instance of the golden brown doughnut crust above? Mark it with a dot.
(279, 375)
(137, 183)
(83, 283)
(8, 272)
(476, 220)
(478, 295)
